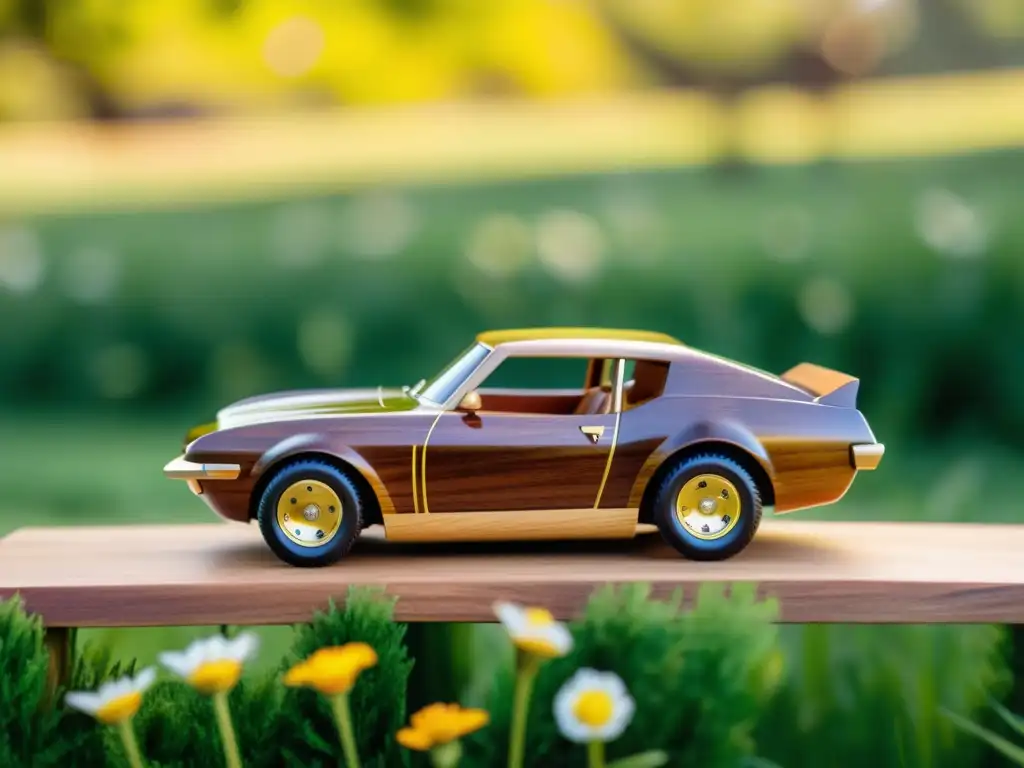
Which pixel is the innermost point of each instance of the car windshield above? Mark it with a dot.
(444, 384)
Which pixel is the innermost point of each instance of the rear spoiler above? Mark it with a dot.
(827, 386)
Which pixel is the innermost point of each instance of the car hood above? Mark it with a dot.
(309, 403)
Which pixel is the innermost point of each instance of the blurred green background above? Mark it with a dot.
(121, 326)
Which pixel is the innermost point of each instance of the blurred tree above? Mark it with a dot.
(732, 45)
(550, 48)
(999, 18)
(125, 58)
(35, 87)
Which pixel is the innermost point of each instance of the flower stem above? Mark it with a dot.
(526, 673)
(343, 718)
(595, 754)
(227, 732)
(131, 746)
(446, 755)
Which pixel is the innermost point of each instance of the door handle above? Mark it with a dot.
(594, 433)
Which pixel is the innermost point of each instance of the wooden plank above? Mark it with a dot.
(224, 574)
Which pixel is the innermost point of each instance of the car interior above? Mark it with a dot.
(645, 380)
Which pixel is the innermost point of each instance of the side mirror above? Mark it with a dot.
(471, 402)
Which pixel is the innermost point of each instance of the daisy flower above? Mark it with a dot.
(116, 701)
(212, 665)
(534, 630)
(593, 707)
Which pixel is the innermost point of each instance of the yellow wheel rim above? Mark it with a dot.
(708, 507)
(309, 513)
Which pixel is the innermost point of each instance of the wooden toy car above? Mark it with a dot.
(656, 433)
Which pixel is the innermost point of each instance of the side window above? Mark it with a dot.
(538, 373)
(645, 380)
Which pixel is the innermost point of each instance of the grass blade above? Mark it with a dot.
(1004, 747)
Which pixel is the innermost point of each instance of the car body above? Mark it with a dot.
(455, 460)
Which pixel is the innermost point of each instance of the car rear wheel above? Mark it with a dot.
(310, 513)
(708, 507)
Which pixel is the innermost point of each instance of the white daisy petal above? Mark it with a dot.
(145, 679)
(510, 615)
(178, 663)
(116, 688)
(216, 648)
(244, 646)
(84, 702)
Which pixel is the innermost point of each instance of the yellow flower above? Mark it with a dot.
(212, 665)
(439, 724)
(593, 706)
(115, 702)
(534, 630)
(332, 671)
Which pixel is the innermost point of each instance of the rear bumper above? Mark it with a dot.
(866, 456)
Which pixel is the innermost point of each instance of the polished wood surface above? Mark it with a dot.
(500, 462)
(223, 573)
(809, 473)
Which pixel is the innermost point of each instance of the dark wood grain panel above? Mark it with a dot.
(220, 573)
(630, 458)
(393, 467)
(494, 462)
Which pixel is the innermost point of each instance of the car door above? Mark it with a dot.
(517, 460)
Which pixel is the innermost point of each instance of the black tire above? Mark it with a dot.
(347, 530)
(679, 535)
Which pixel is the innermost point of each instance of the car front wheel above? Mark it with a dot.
(310, 513)
(708, 507)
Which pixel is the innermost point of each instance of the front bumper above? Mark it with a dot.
(866, 456)
(193, 472)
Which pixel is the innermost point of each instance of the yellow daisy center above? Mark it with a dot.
(538, 646)
(539, 617)
(216, 676)
(593, 708)
(120, 709)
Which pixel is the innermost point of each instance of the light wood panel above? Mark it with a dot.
(223, 573)
(529, 525)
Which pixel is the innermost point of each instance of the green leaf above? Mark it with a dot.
(997, 742)
(652, 759)
(1014, 721)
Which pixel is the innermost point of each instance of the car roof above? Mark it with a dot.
(495, 338)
